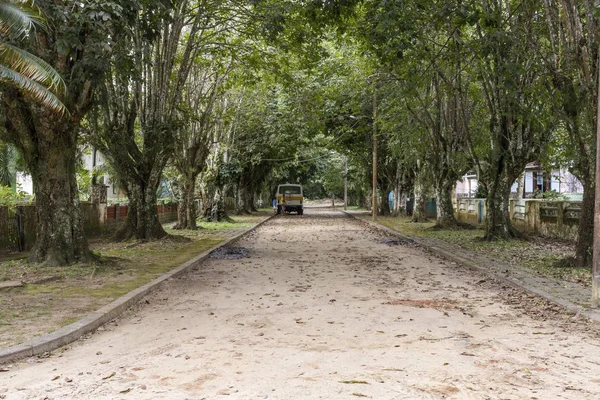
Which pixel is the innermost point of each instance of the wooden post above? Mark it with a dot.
(374, 210)
(596, 253)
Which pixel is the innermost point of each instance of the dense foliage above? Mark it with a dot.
(228, 99)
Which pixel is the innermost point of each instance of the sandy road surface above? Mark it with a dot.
(322, 308)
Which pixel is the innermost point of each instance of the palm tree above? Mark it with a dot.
(8, 160)
(19, 68)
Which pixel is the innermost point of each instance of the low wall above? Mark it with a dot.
(471, 211)
(554, 219)
(18, 226)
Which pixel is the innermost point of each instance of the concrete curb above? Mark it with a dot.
(93, 321)
(572, 307)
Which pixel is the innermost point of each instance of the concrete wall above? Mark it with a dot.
(554, 219)
(471, 211)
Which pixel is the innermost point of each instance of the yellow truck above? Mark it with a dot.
(290, 195)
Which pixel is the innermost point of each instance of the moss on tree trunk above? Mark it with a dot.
(186, 212)
(48, 143)
(60, 236)
(445, 210)
(418, 214)
(585, 238)
(142, 220)
(498, 225)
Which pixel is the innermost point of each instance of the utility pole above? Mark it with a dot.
(596, 253)
(374, 154)
(345, 182)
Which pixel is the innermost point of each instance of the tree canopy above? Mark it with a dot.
(231, 98)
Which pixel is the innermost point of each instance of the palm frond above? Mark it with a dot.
(34, 89)
(30, 66)
(17, 19)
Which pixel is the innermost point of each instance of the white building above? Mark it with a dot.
(534, 181)
(467, 187)
(25, 182)
(93, 160)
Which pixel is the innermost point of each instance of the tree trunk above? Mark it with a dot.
(445, 210)
(367, 202)
(217, 211)
(60, 236)
(186, 213)
(384, 209)
(418, 214)
(249, 199)
(397, 195)
(585, 238)
(498, 223)
(241, 201)
(142, 221)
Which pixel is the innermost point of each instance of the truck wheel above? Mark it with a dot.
(278, 209)
(300, 211)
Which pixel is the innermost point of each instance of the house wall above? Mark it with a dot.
(467, 186)
(560, 181)
(570, 184)
(113, 190)
(25, 182)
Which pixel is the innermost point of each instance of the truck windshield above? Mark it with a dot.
(290, 190)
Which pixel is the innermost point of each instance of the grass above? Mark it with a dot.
(63, 295)
(536, 254)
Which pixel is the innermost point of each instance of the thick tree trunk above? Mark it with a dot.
(384, 208)
(142, 221)
(60, 237)
(48, 143)
(445, 210)
(585, 238)
(498, 223)
(217, 211)
(186, 212)
(397, 196)
(250, 201)
(241, 201)
(367, 202)
(418, 214)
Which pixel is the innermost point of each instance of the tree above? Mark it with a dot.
(193, 140)
(573, 68)
(142, 98)
(76, 42)
(512, 84)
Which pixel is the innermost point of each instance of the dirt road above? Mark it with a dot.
(324, 308)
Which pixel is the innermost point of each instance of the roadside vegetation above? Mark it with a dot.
(52, 297)
(216, 102)
(541, 255)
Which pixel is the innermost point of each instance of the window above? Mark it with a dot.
(290, 190)
(539, 184)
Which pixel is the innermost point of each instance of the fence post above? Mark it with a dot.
(20, 229)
